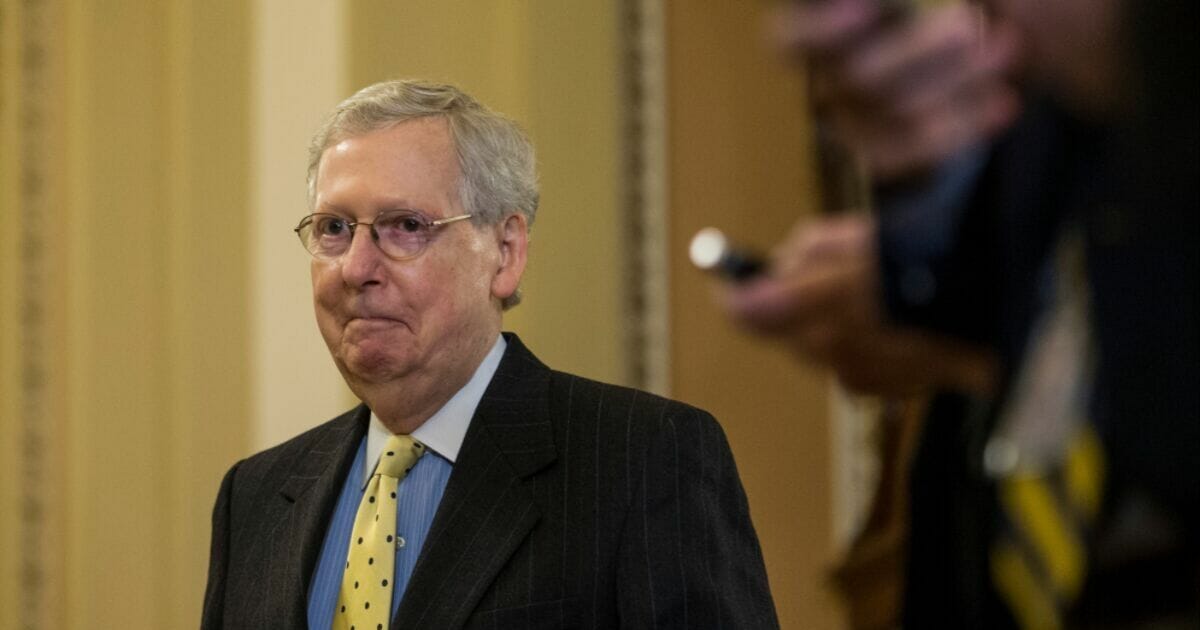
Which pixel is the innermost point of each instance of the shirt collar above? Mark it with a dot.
(444, 431)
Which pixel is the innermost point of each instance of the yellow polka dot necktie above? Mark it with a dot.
(365, 601)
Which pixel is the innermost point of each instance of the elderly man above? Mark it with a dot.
(474, 487)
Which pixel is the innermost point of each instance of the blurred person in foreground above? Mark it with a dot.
(474, 487)
(1033, 266)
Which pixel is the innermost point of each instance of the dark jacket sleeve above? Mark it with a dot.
(218, 559)
(959, 251)
(690, 557)
(934, 245)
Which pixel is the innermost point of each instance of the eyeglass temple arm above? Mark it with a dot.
(441, 222)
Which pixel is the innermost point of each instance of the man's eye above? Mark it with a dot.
(399, 223)
(330, 226)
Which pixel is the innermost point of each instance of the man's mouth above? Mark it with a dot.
(365, 323)
(372, 319)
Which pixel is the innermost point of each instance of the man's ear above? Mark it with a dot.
(513, 237)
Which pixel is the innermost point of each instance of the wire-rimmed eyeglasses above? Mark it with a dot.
(400, 234)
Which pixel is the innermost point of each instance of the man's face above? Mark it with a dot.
(385, 319)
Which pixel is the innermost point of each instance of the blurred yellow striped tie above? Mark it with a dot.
(1048, 459)
(1039, 558)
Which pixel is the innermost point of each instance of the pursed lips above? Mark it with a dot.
(371, 321)
(371, 318)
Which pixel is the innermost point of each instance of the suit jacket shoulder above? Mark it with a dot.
(268, 525)
(580, 504)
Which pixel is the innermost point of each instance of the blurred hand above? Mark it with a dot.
(905, 93)
(820, 299)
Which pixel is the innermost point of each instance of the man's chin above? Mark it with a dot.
(371, 367)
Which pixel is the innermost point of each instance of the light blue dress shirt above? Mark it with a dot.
(417, 497)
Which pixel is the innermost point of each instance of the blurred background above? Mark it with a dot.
(155, 316)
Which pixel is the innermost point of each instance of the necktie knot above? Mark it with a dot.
(399, 455)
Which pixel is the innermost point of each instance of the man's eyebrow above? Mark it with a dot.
(328, 208)
(375, 209)
(395, 203)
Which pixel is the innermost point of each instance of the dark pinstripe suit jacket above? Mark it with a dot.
(573, 504)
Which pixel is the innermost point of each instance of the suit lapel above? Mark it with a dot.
(488, 508)
(313, 489)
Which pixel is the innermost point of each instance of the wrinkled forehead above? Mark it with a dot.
(424, 147)
(413, 160)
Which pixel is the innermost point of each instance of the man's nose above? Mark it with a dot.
(361, 261)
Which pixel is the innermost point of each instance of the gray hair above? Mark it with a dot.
(496, 159)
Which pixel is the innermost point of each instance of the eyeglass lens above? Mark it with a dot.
(399, 234)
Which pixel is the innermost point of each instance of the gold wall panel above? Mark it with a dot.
(124, 304)
(739, 157)
(298, 76)
(10, 374)
(33, 514)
